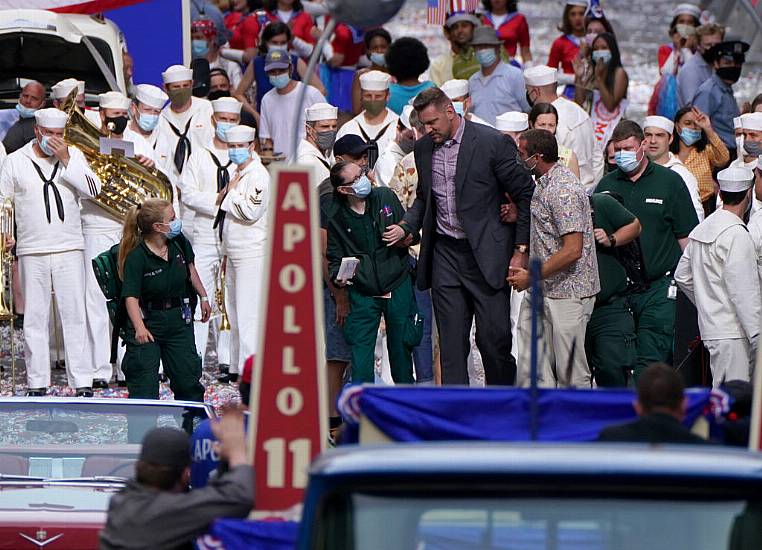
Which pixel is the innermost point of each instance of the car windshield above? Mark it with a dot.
(544, 523)
(54, 439)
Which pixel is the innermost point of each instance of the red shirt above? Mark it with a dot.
(301, 24)
(563, 51)
(350, 43)
(245, 29)
(513, 32)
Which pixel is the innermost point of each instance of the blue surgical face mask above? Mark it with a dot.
(690, 136)
(221, 128)
(601, 55)
(378, 59)
(627, 161)
(175, 228)
(239, 155)
(25, 112)
(43, 143)
(200, 48)
(361, 187)
(486, 58)
(280, 81)
(459, 107)
(147, 122)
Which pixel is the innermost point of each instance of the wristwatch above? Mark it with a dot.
(521, 248)
(204, 298)
(612, 240)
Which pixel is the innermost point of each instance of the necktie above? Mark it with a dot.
(183, 148)
(49, 184)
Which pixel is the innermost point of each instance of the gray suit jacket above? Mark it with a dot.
(486, 169)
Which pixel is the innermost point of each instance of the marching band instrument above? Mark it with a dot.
(124, 181)
(7, 223)
(219, 294)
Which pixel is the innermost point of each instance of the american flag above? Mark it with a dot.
(437, 10)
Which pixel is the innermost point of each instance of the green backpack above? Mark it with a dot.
(106, 269)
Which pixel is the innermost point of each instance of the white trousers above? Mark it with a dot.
(207, 257)
(98, 323)
(730, 359)
(562, 332)
(62, 272)
(243, 290)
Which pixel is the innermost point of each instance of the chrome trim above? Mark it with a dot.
(48, 400)
(41, 539)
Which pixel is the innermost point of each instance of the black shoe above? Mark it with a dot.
(100, 384)
(36, 392)
(223, 369)
(121, 383)
(84, 392)
(228, 378)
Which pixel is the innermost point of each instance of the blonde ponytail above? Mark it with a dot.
(139, 221)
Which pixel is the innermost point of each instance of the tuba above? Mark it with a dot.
(124, 181)
(6, 262)
(219, 293)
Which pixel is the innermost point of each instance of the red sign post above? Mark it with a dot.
(288, 399)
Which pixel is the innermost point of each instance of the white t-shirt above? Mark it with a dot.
(277, 116)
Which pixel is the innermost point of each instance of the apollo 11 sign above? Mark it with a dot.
(288, 399)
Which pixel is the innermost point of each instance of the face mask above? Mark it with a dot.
(601, 55)
(378, 59)
(374, 108)
(525, 164)
(221, 128)
(325, 140)
(25, 112)
(117, 124)
(459, 107)
(216, 94)
(690, 136)
(685, 30)
(361, 188)
(486, 58)
(239, 155)
(731, 74)
(627, 161)
(179, 97)
(707, 56)
(200, 48)
(147, 122)
(43, 143)
(753, 148)
(277, 48)
(175, 227)
(407, 145)
(281, 81)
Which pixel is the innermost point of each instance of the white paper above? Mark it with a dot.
(347, 268)
(109, 146)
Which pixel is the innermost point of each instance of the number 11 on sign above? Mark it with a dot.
(276, 462)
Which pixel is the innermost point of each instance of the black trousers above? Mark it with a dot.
(458, 292)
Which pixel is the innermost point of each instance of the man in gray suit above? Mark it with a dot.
(464, 172)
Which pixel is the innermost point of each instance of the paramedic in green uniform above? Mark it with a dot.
(158, 277)
(610, 337)
(659, 199)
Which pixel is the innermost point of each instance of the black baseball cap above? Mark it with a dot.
(166, 447)
(350, 144)
(732, 49)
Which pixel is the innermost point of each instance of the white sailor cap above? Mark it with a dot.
(737, 123)
(455, 88)
(687, 9)
(151, 95)
(62, 89)
(113, 100)
(659, 122)
(240, 134)
(735, 178)
(582, 3)
(227, 105)
(176, 73)
(321, 111)
(50, 118)
(512, 121)
(375, 81)
(752, 121)
(540, 75)
(405, 116)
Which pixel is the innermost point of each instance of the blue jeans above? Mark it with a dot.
(422, 353)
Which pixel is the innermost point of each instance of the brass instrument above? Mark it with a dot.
(124, 181)
(219, 294)
(6, 278)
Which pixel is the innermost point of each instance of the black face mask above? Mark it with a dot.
(117, 124)
(216, 94)
(731, 74)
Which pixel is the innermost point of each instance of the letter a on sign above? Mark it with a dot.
(288, 404)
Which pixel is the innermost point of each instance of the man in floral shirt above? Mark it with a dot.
(561, 235)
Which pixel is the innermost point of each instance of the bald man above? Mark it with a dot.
(22, 132)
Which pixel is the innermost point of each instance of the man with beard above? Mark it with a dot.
(460, 62)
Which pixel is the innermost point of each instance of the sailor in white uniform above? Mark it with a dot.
(316, 149)
(61, 90)
(402, 144)
(144, 115)
(460, 95)
(242, 218)
(209, 170)
(714, 273)
(45, 180)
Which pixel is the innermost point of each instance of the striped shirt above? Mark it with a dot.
(443, 163)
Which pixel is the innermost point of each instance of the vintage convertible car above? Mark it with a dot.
(62, 459)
